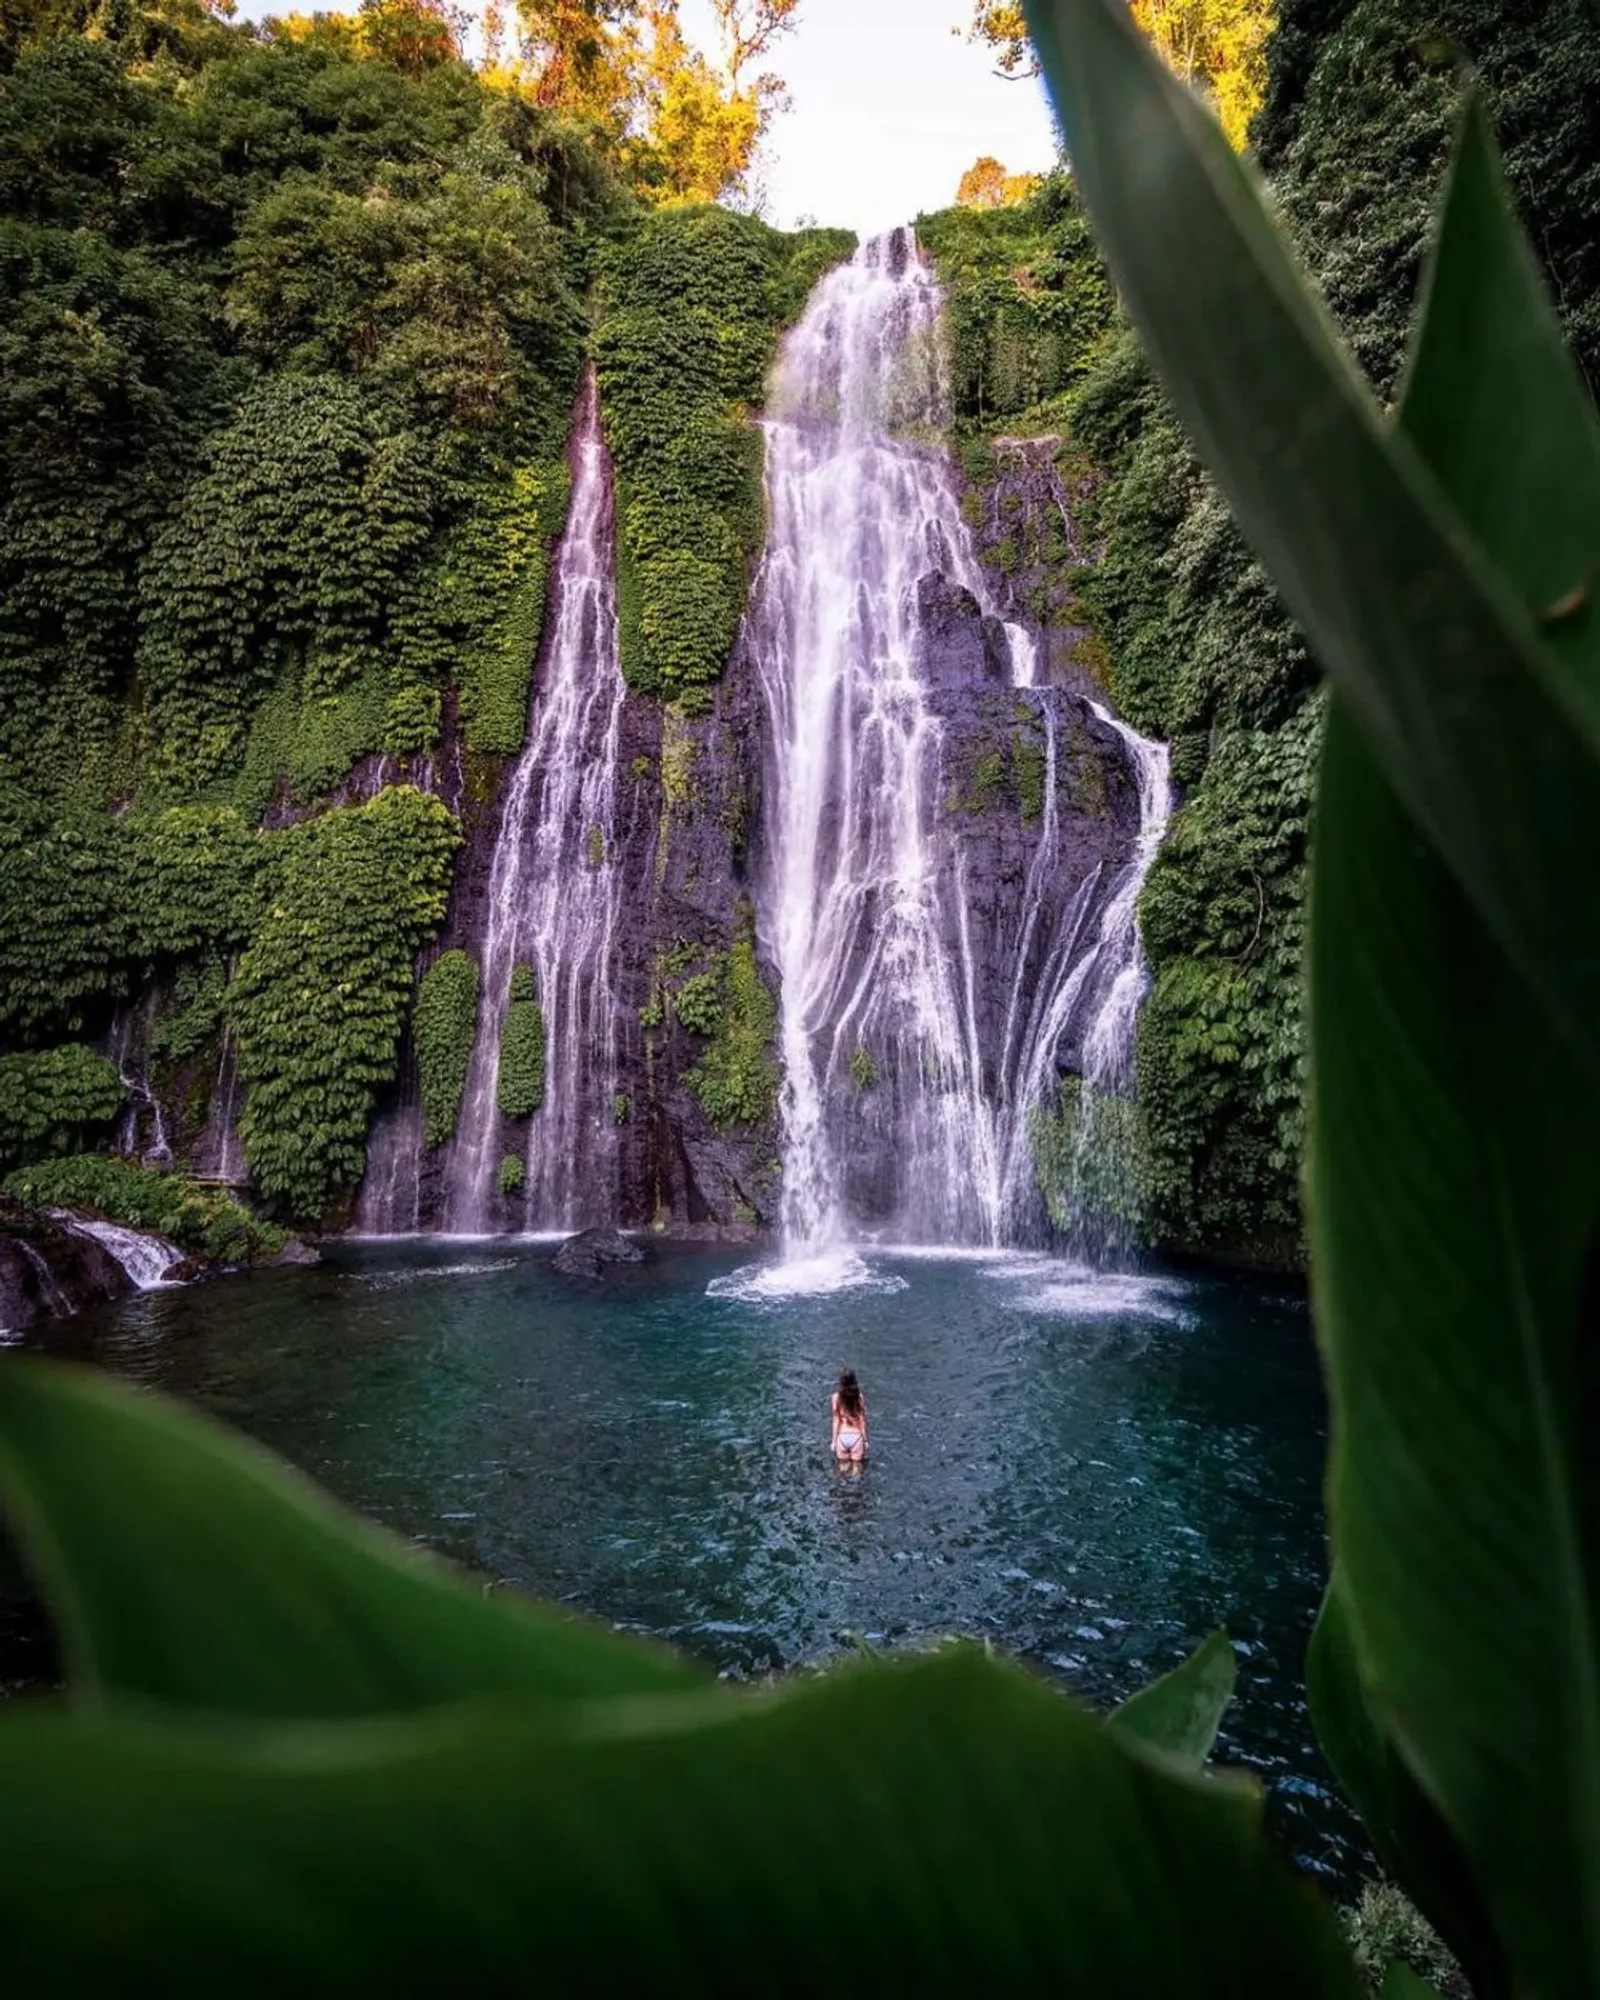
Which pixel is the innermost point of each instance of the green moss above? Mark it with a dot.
(863, 1069)
(200, 1220)
(519, 1081)
(736, 1079)
(621, 1108)
(1100, 1182)
(512, 1175)
(51, 1101)
(595, 847)
(443, 1025)
(1028, 773)
(677, 762)
(1383, 1928)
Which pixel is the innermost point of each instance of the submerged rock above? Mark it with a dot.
(295, 1253)
(587, 1254)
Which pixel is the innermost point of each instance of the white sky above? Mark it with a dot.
(890, 108)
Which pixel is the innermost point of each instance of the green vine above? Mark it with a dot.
(519, 1083)
(692, 305)
(51, 1101)
(320, 995)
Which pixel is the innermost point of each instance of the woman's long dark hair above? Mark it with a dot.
(849, 1394)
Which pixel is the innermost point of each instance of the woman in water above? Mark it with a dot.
(849, 1420)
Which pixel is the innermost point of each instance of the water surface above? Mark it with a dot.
(1092, 1471)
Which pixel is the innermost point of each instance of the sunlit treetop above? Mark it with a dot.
(1219, 47)
(687, 126)
(986, 184)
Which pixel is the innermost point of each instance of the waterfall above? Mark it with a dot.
(865, 906)
(390, 1203)
(1102, 993)
(220, 1155)
(130, 1051)
(1108, 1046)
(146, 1259)
(554, 890)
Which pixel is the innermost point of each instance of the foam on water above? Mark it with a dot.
(817, 1277)
(390, 1281)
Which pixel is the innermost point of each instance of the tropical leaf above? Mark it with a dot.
(183, 1565)
(1182, 1712)
(1411, 1839)
(1486, 741)
(938, 1824)
(1454, 1225)
(1401, 1983)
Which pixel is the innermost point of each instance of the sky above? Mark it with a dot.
(890, 106)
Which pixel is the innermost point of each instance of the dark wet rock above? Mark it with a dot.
(295, 1254)
(959, 646)
(48, 1273)
(586, 1254)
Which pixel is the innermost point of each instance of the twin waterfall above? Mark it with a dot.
(937, 971)
(554, 888)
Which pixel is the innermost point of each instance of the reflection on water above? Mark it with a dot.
(1092, 1471)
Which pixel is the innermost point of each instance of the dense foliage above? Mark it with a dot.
(443, 1024)
(54, 1099)
(692, 306)
(291, 322)
(90, 906)
(319, 998)
(202, 1221)
(519, 1080)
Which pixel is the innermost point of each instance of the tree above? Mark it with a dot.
(986, 184)
(1217, 46)
(414, 35)
(749, 28)
(687, 128)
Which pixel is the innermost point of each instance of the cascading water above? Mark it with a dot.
(142, 1128)
(146, 1259)
(1099, 1203)
(220, 1154)
(865, 906)
(554, 892)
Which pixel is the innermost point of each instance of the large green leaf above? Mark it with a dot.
(1401, 1983)
(184, 1565)
(1182, 1712)
(1455, 1185)
(1405, 1828)
(939, 1825)
(1487, 742)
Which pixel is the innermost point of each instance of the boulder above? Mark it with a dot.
(587, 1254)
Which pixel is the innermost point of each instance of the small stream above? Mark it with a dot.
(1093, 1471)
